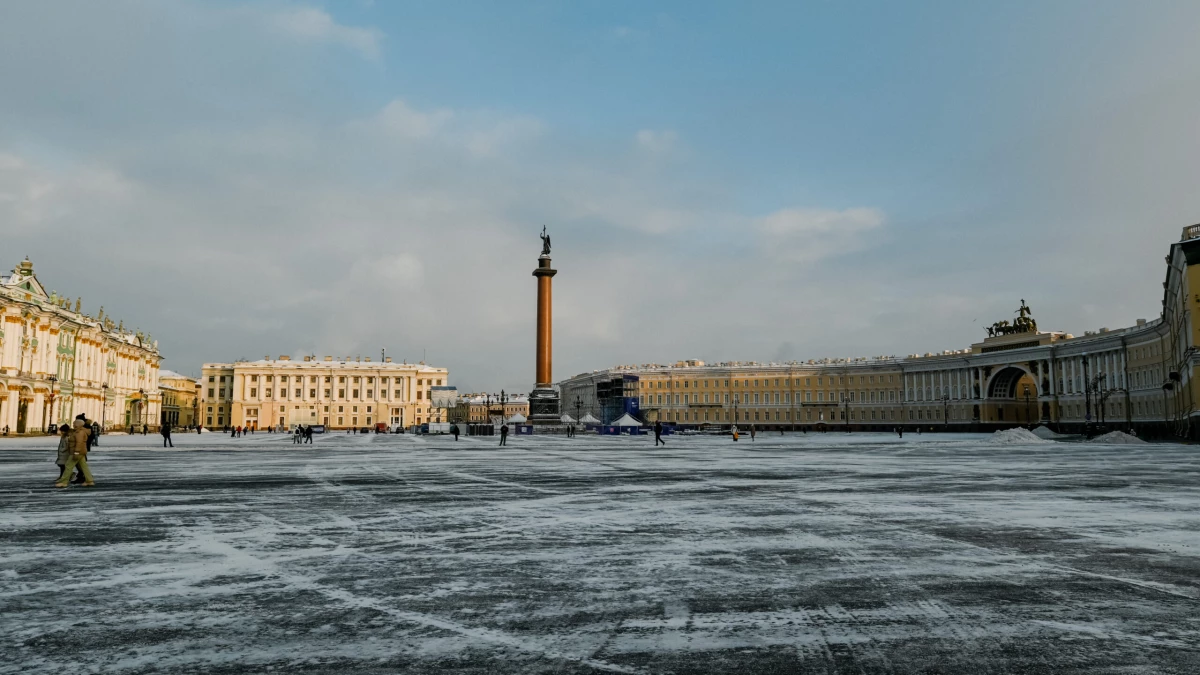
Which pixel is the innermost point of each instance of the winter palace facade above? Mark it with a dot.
(1142, 377)
(57, 362)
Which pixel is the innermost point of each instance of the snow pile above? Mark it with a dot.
(1044, 432)
(1017, 436)
(1117, 438)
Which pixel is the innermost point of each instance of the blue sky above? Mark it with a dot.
(722, 180)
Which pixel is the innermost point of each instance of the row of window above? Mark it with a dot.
(768, 398)
(745, 384)
(327, 378)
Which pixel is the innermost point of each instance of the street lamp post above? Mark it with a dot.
(846, 410)
(1087, 398)
(1028, 414)
(946, 411)
(103, 405)
(578, 409)
(144, 408)
(53, 380)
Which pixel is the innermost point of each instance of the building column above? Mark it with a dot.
(10, 411)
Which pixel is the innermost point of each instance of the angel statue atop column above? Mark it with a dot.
(545, 241)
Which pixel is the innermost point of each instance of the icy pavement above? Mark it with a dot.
(798, 554)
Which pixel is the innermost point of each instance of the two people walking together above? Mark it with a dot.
(73, 448)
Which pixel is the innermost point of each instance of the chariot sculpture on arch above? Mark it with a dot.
(1024, 323)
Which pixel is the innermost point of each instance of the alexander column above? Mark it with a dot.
(543, 400)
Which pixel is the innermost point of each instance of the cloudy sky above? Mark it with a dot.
(723, 181)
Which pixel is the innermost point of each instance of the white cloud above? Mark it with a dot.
(809, 235)
(315, 25)
(401, 121)
(478, 133)
(656, 142)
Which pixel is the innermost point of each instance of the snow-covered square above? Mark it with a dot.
(818, 553)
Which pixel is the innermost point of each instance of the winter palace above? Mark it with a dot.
(57, 362)
(1142, 377)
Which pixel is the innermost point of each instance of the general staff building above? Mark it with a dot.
(1141, 377)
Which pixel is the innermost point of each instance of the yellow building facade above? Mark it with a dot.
(57, 362)
(180, 405)
(340, 393)
(1142, 377)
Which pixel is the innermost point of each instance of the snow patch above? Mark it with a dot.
(1118, 438)
(1044, 432)
(1018, 436)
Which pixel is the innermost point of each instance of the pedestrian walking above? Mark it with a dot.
(658, 433)
(78, 447)
(166, 434)
(145, 429)
(296, 435)
(454, 430)
(199, 427)
(752, 432)
(735, 432)
(64, 449)
(308, 434)
(503, 434)
(95, 437)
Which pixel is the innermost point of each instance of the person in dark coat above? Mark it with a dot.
(454, 430)
(166, 434)
(658, 433)
(145, 429)
(503, 434)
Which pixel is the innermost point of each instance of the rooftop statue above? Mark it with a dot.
(1024, 323)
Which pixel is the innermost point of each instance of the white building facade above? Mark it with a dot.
(57, 362)
(339, 393)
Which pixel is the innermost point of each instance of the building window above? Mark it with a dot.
(312, 393)
(210, 378)
(254, 378)
(368, 410)
(253, 392)
(341, 393)
(297, 393)
(210, 391)
(326, 393)
(370, 393)
(267, 393)
(355, 392)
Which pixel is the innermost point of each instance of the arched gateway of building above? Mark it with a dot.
(1012, 396)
